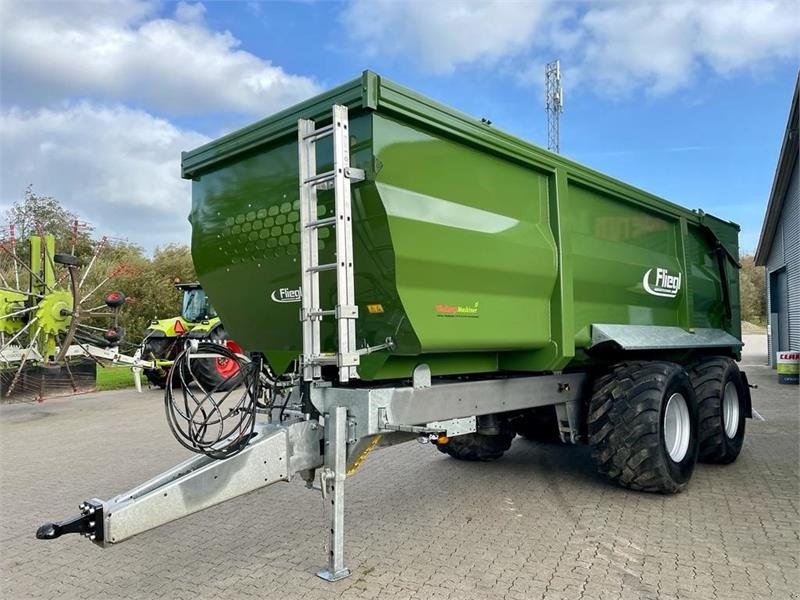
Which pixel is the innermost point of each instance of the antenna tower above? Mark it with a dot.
(554, 103)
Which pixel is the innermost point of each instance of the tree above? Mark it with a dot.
(752, 290)
(150, 284)
(36, 214)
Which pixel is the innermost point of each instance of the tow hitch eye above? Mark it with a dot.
(89, 523)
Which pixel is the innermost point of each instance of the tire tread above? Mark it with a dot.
(624, 425)
(478, 447)
(708, 377)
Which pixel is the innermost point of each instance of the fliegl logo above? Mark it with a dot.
(659, 282)
(457, 310)
(286, 295)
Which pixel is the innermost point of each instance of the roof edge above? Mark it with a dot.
(787, 160)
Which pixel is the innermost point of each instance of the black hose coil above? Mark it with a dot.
(216, 423)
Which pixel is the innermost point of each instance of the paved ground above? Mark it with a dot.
(539, 523)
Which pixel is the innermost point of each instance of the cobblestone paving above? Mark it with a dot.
(539, 523)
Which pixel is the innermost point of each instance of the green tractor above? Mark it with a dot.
(165, 339)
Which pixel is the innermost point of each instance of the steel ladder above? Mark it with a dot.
(340, 178)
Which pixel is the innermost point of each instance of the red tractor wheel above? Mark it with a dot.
(220, 374)
(225, 366)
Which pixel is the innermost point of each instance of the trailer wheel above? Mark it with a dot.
(476, 446)
(643, 426)
(720, 398)
(538, 424)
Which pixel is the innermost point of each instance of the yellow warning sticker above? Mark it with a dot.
(361, 457)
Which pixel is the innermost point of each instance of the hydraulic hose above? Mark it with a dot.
(213, 422)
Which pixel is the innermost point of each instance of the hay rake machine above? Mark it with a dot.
(47, 344)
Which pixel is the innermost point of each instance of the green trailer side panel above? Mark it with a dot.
(614, 245)
(474, 251)
(704, 282)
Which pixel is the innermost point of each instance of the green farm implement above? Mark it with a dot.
(397, 270)
(47, 345)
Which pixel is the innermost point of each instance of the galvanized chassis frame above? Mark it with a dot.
(445, 401)
(351, 420)
(274, 454)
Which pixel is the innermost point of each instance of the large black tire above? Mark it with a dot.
(538, 424)
(627, 426)
(218, 374)
(722, 423)
(476, 446)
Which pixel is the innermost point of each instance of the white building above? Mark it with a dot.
(779, 244)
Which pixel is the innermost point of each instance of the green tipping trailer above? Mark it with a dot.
(396, 270)
(474, 251)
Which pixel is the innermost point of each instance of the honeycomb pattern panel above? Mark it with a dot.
(267, 232)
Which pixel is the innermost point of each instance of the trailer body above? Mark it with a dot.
(475, 252)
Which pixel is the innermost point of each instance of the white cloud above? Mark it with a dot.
(71, 73)
(614, 47)
(117, 167)
(190, 12)
(661, 46)
(122, 51)
(444, 35)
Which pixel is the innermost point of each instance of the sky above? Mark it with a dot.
(685, 99)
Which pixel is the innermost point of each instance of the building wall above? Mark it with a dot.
(785, 252)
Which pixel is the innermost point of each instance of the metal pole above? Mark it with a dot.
(309, 250)
(554, 104)
(345, 286)
(14, 254)
(333, 476)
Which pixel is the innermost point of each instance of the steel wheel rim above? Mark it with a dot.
(677, 427)
(730, 409)
(228, 367)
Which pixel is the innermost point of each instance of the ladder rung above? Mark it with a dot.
(318, 268)
(321, 222)
(319, 133)
(320, 178)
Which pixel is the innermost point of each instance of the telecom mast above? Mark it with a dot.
(554, 103)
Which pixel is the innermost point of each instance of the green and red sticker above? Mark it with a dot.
(457, 310)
